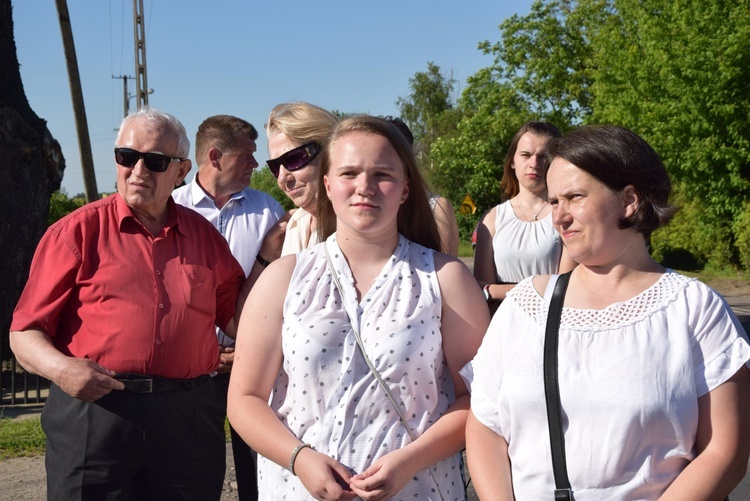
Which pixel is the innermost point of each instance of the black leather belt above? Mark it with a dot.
(139, 383)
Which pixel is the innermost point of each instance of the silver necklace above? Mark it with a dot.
(536, 216)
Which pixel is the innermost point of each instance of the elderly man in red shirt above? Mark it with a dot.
(119, 313)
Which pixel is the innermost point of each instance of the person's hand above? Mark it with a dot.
(270, 250)
(86, 380)
(384, 478)
(226, 359)
(323, 477)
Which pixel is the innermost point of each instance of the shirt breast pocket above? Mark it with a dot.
(199, 288)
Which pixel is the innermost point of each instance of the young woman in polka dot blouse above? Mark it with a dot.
(302, 394)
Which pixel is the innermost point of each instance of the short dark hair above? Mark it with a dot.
(222, 132)
(618, 157)
(509, 182)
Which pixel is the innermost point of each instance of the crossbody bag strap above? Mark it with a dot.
(563, 492)
(396, 405)
(358, 338)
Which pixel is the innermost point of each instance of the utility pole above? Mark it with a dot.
(125, 96)
(140, 55)
(84, 142)
(142, 90)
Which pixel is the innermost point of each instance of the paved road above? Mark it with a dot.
(741, 308)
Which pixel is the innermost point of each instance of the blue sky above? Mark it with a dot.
(242, 58)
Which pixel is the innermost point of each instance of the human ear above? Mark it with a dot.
(326, 185)
(185, 166)
(214, 155)
(405, 193)
(630, 199)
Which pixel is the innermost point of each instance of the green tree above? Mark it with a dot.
(427, 110)
(547, 57)
(470, 161)
(61, 205)
(263, 180)
(677, 73)
(541, 71)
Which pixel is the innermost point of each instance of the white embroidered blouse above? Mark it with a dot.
(630, 377)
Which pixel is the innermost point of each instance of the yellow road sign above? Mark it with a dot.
(467, 206)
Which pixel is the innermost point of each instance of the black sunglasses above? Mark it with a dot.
(294, 159)
(155, 162)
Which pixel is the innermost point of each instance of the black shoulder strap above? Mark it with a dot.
(563, 491)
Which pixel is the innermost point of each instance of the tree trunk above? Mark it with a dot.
(31, 169)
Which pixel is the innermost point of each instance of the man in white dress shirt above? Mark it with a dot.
(220, 192)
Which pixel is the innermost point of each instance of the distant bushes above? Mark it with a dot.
(61, 205)
(695, 240)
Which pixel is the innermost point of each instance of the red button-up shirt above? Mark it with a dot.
(105, 289)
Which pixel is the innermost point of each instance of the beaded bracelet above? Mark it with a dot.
(294, 456)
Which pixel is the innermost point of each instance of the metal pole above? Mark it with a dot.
(84, 142)
(125, 102)
(140, 54)
(125, 95)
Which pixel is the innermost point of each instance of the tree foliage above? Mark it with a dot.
(263, 180)
(677, 73)
(427, 110)
(60, 205)
(547, 57)
(674, 71)
(469, 162)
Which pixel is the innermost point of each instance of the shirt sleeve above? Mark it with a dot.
(488, 374)
(720, 344)
(52, 279)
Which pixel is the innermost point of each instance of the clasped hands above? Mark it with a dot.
(329, 480)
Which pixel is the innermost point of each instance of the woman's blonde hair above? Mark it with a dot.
(415, 219)
(301, 122)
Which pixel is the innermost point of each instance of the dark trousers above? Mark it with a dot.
(245, 459)
(135, 446)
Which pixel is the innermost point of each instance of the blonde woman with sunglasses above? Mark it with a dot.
(296, 134)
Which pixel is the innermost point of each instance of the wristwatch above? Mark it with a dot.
(263, 262)
(486, 290)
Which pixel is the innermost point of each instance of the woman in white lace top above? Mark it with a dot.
(302, 393)
(654, 384)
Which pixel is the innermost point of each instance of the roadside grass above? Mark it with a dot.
(709, 275)
(465, 250)
(20, 437)
(24, 437)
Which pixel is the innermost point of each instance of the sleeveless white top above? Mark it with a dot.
(523, 248)
(630, 377)
(326, 394)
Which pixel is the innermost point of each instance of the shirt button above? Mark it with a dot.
(161, 305)
(158, 341)
(158, 272)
